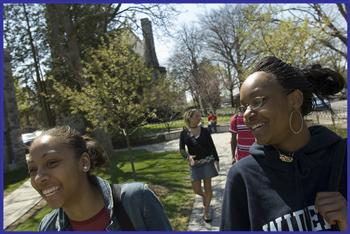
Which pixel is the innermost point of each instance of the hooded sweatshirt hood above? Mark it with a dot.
(306, 157)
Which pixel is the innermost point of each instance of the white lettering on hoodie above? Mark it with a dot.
(296, 221)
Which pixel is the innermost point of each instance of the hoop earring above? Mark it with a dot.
(290, 122)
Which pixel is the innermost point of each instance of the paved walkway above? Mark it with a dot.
(19, 202)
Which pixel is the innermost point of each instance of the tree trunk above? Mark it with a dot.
(73, 52)
(64, 45)
(231, 84)
(131, 157)
(49, 120)
(201, 107)
(232, 98)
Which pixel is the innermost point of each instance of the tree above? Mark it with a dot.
(185, 61)
(26, 105)
(167, 101)
(74, 28)
(116, 84)
(295, 38)
(290, 42)
(210, 88)
(229, 36)
(332, 30)
(24, 32)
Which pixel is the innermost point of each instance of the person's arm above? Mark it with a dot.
(233, 130)
(234, 212)
(212, 147)
(183, 151)
(233, 145)
(154, 215)
(144, 208)
(332, 206)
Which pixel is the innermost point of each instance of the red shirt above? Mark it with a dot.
(244, 136)
(212, 117)
(96, 223)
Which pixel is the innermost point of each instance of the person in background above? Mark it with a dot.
(60, 165)
(212, 122)
(241, 137)
(201, 156)
(296, 176)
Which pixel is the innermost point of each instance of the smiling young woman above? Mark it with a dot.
(60, 163)
(295, 176)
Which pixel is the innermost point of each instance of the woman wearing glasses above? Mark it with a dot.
(295, 178)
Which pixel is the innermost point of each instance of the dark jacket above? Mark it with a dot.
(202, 146)
(140, 203)
(264, 193)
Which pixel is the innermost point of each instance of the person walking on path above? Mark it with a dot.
(202, 157)
(241, 137)
(212, 122)
(60, 163)
(296, 177)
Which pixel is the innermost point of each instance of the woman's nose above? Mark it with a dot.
(41, 176)
(248, 115)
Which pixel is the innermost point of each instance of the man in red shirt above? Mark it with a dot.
(212, 119)
(241, 138)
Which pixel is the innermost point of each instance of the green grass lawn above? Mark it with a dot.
(166, 173)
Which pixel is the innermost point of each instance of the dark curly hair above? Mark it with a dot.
(322, 82)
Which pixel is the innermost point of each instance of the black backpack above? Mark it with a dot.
(118, 209)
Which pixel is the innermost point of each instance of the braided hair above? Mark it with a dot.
(322, 82)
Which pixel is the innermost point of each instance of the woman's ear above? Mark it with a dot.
(84, 162)
(296, 99)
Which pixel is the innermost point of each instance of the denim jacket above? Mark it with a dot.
(143, 207)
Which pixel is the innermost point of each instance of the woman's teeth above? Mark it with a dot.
(256, 126)
(50, 191)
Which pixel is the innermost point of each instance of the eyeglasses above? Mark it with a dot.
(255, 104)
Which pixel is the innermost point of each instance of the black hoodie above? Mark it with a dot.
(264, 193)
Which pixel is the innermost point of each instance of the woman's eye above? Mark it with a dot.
(52, 164)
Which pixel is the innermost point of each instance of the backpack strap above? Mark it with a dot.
(123, 218)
